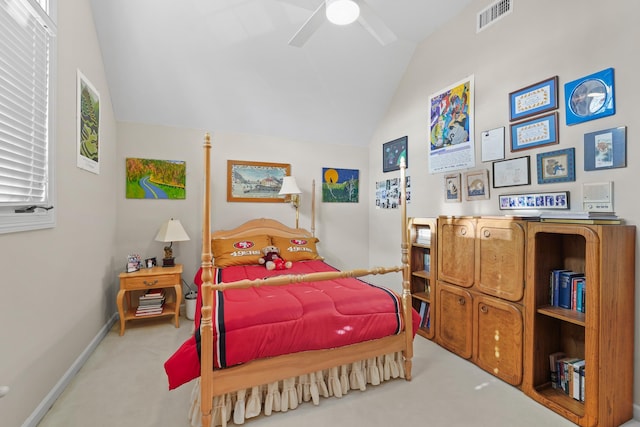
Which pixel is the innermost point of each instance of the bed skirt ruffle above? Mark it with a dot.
(287, 394)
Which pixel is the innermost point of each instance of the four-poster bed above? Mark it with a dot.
(340, 333)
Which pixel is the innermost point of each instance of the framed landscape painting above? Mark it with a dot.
(255, 181)
(155, 179)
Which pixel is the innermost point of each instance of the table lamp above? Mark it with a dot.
(171, 231)
(290, 188)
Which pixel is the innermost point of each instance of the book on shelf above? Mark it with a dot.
(565, 299)
(423, 235)
(553, 367)
(578, 375)
(554, 288)
(427, 262)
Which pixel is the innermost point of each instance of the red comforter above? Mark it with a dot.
(275, 320)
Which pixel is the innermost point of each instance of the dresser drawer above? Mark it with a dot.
(149, 282)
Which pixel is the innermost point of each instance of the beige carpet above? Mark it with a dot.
(123, 384)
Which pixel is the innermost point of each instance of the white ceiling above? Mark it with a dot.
(226, 65)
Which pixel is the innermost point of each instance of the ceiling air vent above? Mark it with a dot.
(493, 13)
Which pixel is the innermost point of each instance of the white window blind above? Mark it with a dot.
(26, 46)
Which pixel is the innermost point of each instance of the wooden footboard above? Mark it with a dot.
(265, 371)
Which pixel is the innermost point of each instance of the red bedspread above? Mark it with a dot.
(274, 320)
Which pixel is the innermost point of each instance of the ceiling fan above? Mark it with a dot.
(359, 10)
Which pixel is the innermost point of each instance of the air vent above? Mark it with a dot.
(493, 13)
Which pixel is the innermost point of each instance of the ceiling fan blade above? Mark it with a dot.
(308, 28)
(372, 22)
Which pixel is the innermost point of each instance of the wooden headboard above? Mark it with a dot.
(258, 226)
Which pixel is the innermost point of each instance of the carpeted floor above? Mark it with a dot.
(123, 384)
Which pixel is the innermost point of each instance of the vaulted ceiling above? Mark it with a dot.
(227, 65)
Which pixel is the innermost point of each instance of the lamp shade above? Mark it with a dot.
(172, 231)
(289, 186)
(342, 12)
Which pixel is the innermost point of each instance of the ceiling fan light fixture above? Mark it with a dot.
(342, 12)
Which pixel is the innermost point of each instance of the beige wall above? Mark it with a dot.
(341, 227)
(540, 39)
(57, 284)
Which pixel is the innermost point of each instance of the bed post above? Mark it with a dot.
(206, 354)
(313, 208)
(406, 287)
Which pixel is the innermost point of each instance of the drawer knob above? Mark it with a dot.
(150, 283)
(461, 301)
(487, 233)
(484, 308)
(463, 231)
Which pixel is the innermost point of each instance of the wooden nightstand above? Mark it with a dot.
(150, 278)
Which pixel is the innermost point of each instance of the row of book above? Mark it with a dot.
(567, 289)
(425, 315)
(424, 235)
(427, 262)
(151, 303)
(567, 375)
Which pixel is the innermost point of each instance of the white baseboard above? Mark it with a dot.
(37, 415)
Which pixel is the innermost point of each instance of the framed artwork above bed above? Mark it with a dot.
(255, 181)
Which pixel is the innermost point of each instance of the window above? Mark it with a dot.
(27, 71)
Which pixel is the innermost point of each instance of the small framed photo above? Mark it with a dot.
(535, 132)
(548, 200)
(605, 149)
(590, 97)
(392, 152)
(452, 192)
(511, 172)
(556, 166)
(476, 184)
(534, 99)
(150, 262)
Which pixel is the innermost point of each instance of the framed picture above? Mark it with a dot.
(605, 149)
(150, 262)
(155, 179)
(511, 172)
(255, 181)
(534, 99)
(548, 200)
(87, 125)
(590, 97)
(340, 185)
(492, 144)
(476, 184)
(452, 188)
(392, 152)
(451, 128)
(535, 132)
(556, 166)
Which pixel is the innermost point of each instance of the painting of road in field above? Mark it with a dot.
(156, 179)
(340, 185)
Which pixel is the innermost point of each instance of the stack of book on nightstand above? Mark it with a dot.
(151, 303)
(581, 217)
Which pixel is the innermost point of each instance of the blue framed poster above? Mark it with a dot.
(605, 149)
(590, 97)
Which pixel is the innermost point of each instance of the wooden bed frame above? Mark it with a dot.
(266, 371)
